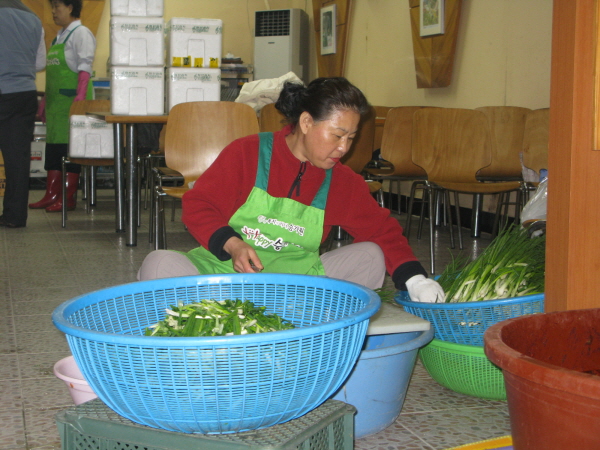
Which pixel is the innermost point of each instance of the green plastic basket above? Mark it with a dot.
(464, 369)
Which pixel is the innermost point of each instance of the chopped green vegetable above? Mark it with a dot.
(513, 265)
(217, 318)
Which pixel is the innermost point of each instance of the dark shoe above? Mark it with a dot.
(4, 223)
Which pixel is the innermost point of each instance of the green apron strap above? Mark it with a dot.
(265, 149)
(67, 38)
(320, 199)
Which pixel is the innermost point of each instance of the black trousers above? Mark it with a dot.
(17, 120)
(54, 155)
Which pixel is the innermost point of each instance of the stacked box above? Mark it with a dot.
(90, 138)
(192, 85)
(138, 91)
(137, 41)
(93, 426)
(153, 8)
(194, 42)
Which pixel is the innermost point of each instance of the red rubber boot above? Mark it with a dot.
(72, 185)
(53, 190)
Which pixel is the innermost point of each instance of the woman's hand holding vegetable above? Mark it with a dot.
(245, 259)
(426, 290)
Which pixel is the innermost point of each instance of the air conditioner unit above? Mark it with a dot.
(281, 43)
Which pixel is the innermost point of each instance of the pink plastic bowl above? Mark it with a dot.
(66, 369)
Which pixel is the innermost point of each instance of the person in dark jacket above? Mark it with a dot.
(22, 53)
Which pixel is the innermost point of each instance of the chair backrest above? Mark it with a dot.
(451, 144)
(535, 139)
(507, 127)
(396, 141)
(79, 108)
(361, 151)
(381, 113)
(198, 131)
(270, 119)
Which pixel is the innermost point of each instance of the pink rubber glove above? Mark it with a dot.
(41, 112)
(82, 85)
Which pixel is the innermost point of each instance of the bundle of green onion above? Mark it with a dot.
(513, 265)
(217, 318)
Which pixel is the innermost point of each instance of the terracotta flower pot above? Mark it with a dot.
(550, 364)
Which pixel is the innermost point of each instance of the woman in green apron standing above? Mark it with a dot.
(269, 201)
(68, 69)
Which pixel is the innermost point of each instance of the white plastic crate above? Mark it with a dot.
(192, 85)
(138, 91)
(194, 42)
(137, 41)
(152, 8)
(90, 138)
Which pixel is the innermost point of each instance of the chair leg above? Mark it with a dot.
(64, 192)
(448, 211)
(159, 242)
(431, 229)
(424, 199)
(411, 201)
(84, 182)
(152, 206)
(458, 222)
(93, 178)
(519, 206)
(497, 226)
(86, 185)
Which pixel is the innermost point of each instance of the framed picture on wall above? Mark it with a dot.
(432, 17)
(328, 30)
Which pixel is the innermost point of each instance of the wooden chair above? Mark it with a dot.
(270, 119)
(507, 127)
(89, 166)
(396, 147)
(361, 153)
(381, 113)
(535, 141)
(195, 135)
(452, 145)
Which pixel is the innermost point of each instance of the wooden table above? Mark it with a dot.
(127, 221)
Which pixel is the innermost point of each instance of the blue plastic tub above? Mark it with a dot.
(378, 383)
(218, 384)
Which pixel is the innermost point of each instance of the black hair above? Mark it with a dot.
(321, 98)
(76, 4)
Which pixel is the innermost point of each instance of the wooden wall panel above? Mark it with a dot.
(90, 16)
(333, 65)
(434, 55)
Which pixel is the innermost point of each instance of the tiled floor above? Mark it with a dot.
(43, 265)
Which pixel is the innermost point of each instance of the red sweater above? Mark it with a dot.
(225, 186)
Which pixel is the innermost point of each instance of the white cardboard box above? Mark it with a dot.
(194, 42)
(90, 138)
(192, 85)
(137, 41)
(152, 8)
(138, 91)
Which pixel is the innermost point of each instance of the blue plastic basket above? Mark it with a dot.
(218, 384)
(466, 322)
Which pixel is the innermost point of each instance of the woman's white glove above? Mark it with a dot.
(421, 289)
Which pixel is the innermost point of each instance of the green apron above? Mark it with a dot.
(61, 88)
(285, 234)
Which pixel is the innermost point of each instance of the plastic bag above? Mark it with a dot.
(259, 93)
(535, 208)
